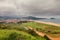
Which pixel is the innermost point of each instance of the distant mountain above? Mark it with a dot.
(33, 18)
(9, 17)
(15, 17)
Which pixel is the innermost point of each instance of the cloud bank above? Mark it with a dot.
(30, 7)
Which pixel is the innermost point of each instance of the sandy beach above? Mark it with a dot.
(49, 23)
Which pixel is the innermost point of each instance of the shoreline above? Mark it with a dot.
(49, 23)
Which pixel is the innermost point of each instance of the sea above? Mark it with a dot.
(57, 20)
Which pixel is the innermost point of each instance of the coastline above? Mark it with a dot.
(49, 23)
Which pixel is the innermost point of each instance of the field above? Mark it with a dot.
(21, 31)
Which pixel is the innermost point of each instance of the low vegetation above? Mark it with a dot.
(15, 35)
(42, 27)
(21, 31)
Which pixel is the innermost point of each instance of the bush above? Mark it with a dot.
(13, 36)
(16, 35)
(46, 37)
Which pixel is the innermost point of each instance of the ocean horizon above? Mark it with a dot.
(57, 20)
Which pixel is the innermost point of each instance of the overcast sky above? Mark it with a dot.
(30, 8)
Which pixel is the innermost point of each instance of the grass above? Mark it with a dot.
(15, 35)
(37, 26)
(42, 27)
(13, 31)
(48, 29)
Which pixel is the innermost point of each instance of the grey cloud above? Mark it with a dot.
(7, 11)
(46, 8)
(34, 7)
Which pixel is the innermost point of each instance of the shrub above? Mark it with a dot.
(13, 36)
(46, 37)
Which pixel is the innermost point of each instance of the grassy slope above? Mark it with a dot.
(49, 29)
(14, 35)
(41, 26)
(22, 27)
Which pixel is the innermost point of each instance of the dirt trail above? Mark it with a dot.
(43, 34)
(39, 33)
(52, 38)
